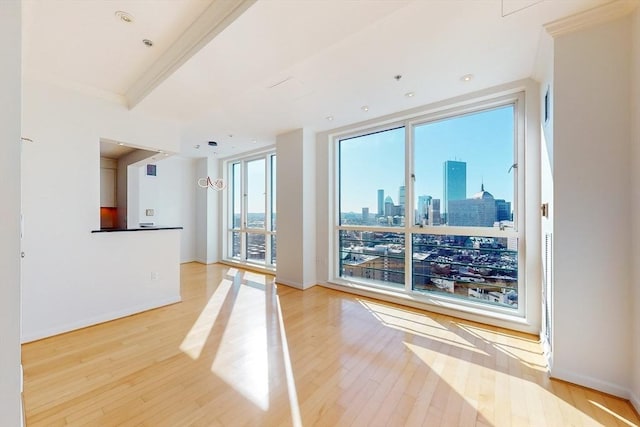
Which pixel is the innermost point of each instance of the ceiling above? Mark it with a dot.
(283, 64)
(114, 150)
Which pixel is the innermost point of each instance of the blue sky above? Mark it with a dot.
(484, 140)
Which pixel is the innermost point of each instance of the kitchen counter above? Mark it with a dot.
(151, 228)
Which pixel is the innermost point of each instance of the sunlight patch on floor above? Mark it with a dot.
(196, 338)
(288, 370)
(244, 363)
(417, 325)
(232, 272)
(255, 277)
(613, 414)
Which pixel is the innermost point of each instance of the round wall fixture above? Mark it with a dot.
(125, 17)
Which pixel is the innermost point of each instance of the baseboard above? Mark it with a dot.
(594, 383)
(635, 401)
(296, 285)
(106, 317)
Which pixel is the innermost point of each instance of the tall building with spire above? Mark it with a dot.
(455, 184)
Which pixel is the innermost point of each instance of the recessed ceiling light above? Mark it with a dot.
(124, 16)
(120, 143)
(365, 108)
(160, 151)
(329, 118)
(467, 77)
(409, 94)
(147, 42)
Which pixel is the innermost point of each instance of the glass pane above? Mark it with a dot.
(273, 193)
(483, 269)
(236, 191)
(374, 256)
(236, 245)
(255, 247)
(372, 179)
(256, 193)
(463, 170)
(273, 249)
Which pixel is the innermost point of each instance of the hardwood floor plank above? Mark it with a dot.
(240, 350)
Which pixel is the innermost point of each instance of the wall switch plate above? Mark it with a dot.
(149, 212)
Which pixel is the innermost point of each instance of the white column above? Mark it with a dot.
(208, 202)
(592, 216)
(635, 200)
(10, 127)
(296, 207)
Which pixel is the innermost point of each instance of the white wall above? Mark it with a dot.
(171, 194)
(128, 188)
(635, 200)
(296, 207)
(10, 69)
(591, 170)
(208, 211)
(71, 277)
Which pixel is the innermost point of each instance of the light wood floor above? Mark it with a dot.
(240, 351)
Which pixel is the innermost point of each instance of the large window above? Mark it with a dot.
(251, 221)
(429, 207)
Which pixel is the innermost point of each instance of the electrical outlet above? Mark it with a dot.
(154, 275)
(149, 212)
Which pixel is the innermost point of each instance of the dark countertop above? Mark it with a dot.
(154, 228)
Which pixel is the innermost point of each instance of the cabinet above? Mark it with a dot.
(107, 188)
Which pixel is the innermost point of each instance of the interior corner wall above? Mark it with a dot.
(635, 200)
(296, 207)
(592, 219)
(127, 188)
(323, 184)
(171, 195)
(544, 75)
(10, 107)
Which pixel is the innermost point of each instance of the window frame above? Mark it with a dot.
(515, 98)
(243, 229)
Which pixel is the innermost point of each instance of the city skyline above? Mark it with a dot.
(483, 140)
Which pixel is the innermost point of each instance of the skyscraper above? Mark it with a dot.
(381, 202)
(423, 205)
(455, 183)
(434, 212)
(365, 215)
(401, 196)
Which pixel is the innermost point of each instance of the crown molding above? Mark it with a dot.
(218, 16)
(74, 86)
(598, 15)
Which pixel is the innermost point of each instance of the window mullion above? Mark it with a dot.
(408, 208)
